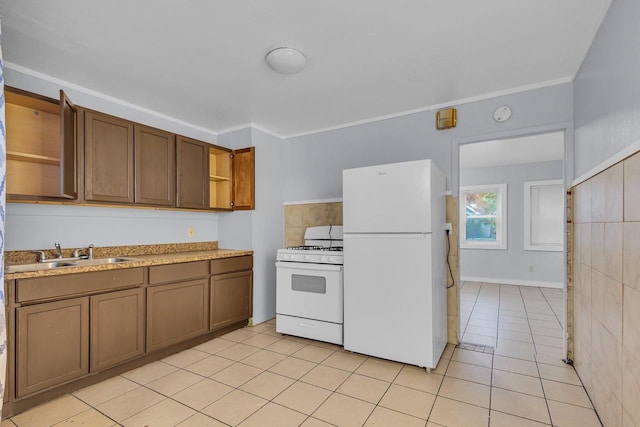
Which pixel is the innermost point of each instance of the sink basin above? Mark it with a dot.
(37, 266)
(102, 261)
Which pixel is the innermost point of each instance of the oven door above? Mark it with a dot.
(312, 291)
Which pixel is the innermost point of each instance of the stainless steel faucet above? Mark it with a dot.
(42, 257)
(89, 252)
(58, 250)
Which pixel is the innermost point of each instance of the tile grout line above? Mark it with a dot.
(471, 312)
(535, 351)
(552, 310)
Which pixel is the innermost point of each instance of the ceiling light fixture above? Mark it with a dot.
(285, 60)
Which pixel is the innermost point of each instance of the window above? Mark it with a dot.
(483, 217)
(544, 215)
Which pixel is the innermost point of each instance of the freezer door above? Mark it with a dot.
(392, 198)
(389, 299)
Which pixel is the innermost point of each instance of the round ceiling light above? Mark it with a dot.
(286, 60)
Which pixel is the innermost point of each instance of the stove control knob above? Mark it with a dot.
(307, 257)
(324, 258)
(332, 259)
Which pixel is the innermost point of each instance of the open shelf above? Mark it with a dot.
(33, 158)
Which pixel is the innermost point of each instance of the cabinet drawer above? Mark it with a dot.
(226, 265)
(72, 284)
(177, 272)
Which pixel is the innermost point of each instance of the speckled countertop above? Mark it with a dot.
(143, 256)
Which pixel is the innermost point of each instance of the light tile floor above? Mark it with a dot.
(256, 377)
(519, 321)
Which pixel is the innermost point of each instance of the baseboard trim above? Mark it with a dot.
(555, 285)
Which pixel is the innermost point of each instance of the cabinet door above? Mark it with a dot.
(68, 148)
(155, 170)
(244, 179)
(52, 344)
(108, 158)
(231, 298)
(193, 173)
(176, 312)
(117, 327)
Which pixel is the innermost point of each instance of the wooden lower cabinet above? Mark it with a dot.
(117, 328)
(176, 312)
(231, 299)
(52, 344)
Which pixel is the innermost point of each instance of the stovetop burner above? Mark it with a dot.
(315, 248)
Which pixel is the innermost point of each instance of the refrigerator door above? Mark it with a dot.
(393, 198)
(389, 309)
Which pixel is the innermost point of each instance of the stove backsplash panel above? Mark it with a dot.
(300, 216)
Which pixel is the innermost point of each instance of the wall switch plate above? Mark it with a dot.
(190, 232)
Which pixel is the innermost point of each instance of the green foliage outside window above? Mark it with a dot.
(481, 214)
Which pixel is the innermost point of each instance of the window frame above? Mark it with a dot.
(501, 217)
(528, 187)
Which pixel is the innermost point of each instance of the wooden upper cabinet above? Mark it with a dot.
(244, 179)
(192, 173)
(41, 146)
(68, 148)
(108, 159)
(155, 166)
(231, 178)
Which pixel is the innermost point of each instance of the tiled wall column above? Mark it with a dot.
(452, 292)
(606, 300)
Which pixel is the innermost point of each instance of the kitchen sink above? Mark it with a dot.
(102, 261)
(39, 266)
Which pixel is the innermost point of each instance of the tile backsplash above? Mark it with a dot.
(606, 295)
(300, 216)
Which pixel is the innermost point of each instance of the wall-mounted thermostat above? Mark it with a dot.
(502, 114)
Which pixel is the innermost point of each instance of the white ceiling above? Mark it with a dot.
(514, 151)
(201, 61)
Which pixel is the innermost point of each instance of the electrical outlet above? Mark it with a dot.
(531, 268)
(190, 232)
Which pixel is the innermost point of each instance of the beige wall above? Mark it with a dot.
(606, 300)
(299, 217)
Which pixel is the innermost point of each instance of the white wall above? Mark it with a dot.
(40, 226)
(32, 226)
(262, 229)
(607, 90)
(512, 265)
(313, 164)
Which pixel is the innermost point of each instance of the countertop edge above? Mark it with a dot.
(139, 261)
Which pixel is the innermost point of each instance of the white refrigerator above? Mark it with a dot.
(395, 295)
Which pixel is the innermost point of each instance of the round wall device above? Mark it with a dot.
(502, 114)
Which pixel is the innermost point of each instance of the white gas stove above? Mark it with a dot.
(323, 245)
(309, 286)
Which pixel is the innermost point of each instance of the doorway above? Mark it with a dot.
(512, 245)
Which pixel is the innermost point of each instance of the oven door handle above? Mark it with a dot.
(309, 266)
